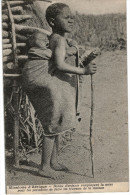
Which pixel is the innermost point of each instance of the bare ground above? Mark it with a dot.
(110, 132)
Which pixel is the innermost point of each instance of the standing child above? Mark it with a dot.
(52, 86)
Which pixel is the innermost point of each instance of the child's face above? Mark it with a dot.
(64, 21)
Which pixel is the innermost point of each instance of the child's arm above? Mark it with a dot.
(58, 53)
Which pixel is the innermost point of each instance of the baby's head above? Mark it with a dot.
(59, 17)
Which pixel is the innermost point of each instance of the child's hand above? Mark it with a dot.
(91, 68)
(89, 55)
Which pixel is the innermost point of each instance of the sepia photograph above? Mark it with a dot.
(65, 96)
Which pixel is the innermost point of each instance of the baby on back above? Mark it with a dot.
(38, 46)
(38, 39)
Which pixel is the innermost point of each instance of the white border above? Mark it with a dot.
(2, 160)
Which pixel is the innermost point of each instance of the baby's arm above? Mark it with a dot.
(58, 53)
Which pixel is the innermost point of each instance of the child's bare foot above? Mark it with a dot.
(58, 167)
(50, 173)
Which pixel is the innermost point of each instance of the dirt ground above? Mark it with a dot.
(110, 132)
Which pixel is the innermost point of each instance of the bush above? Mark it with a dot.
(105, 31)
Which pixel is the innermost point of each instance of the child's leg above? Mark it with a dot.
(54, 161)
(47, 148)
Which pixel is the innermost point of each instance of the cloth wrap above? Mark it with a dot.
(51, 92)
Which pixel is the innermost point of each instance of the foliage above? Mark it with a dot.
(104, 31)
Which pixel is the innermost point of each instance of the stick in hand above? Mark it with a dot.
(86, 58)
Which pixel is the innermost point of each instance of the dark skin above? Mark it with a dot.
(61, 25)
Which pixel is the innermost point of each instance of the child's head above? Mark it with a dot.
(59, 17)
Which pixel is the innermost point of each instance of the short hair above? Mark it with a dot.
(54, 9)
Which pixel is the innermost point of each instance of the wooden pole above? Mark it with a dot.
(16, 123)
(22, 57)
(15, 10)
(91, 122)
(28, 29)
(6, 41)
(13, 35)
(21, 38)
(5, 18)
(7, 52)
(15, 3)
(15, 90)
(7, 46)
(21, 18)
(4, 26)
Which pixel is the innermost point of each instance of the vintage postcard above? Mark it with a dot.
(65, 96)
